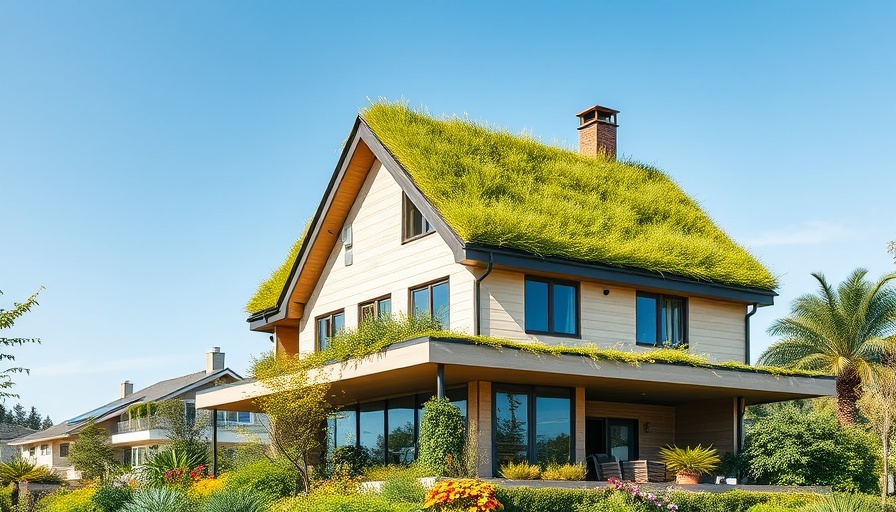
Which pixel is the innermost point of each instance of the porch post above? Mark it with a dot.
(215, 442)
(440, 381)
(741, 408)
(579, 425)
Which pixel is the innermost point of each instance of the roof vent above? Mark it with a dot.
(214, 360)
(597, 132)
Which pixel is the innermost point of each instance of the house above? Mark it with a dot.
(502, 236)
(9, 432)
(135, 429)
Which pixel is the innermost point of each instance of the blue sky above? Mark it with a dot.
(157, 159)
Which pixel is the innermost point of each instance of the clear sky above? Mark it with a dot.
(157, 159)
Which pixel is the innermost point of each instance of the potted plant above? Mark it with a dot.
(689, 464)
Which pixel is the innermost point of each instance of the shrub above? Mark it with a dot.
(441, 437)
(738, 501)
(18, 470)
(520, 471)
(385, 472)
(237, 500)
(528, 499)
(111, 498)
(844, 503)
(277, 477)
(341, 503)
(203, 488)
(554, 471)
(463, 494)
(6, 498)
(690, 461)
(80, 500)
(798, 447)
(403, 488)
(158, 499)
(352, 460)
(169, 465)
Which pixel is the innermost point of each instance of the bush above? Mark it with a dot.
(237, 500)
(520, 471)
(442, 437)
(555, 471)
(466, 494)
(845, 503)
(738, 501)
(341, 503)
(158, 499)
(403, 488)
(385, 472)
(80, 500)
(798, 447)
(352, 460)
(111, 498)
(6, 498)
(278, 477)
(203, 488)
(18, 470)
(171, 464)
(528, 499)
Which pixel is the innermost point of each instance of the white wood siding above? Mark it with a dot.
(716, 329)
(383, 265)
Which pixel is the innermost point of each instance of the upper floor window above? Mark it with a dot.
(431, 300)
(375, 308)
(44, 449)
(328, 326)
(413, 224)
(552, 307)
(63, 450)
(661, 320)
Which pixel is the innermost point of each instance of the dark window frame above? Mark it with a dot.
(658, 317)
(412, 309)
(532, 393)
(330, 316)
(407, 206)
(64, 447)
(551, 282)
(376, 306)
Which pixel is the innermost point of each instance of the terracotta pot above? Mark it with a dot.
(687, 479)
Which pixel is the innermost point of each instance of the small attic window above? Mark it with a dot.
(414, 225)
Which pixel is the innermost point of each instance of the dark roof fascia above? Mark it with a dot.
(360, 132)
(278, 312)
(618, 275)
(406, 182)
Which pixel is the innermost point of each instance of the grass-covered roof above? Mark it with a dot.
(504, 190)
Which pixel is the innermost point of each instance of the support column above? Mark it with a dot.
(215, 442)
(579, 426)
(440, 381)
(286, 340)
(485, 429)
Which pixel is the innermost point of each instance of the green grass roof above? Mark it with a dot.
(505, 190)
(269, 290)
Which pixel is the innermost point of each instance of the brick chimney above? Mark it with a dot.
(597, 131)
(214, 360)
(126, 389)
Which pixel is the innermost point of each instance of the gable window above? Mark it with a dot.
(552, 307)
(375, 308)
(44, 449)
(661, 320)
(414, 225)
(328, 326)
(431, 300)
(63, 450)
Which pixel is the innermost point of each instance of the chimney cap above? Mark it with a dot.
(214, 350)
(597, 108)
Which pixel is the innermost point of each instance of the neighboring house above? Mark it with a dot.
(502, 236)
(135, 431)
(9, 432)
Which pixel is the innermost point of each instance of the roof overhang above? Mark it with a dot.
(22, 441)
(411, 366)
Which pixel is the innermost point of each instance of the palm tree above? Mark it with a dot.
(843, 331)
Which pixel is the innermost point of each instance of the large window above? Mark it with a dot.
(234, 417)
(552, 307)
(328, 326)
(532, 424)
(63, 450)
(661, 320)
(414, 225)
(402, 433)
(372, 435)
(431, 300)
(375, 308)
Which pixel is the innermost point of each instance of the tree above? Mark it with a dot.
(806, 446)
(878, 405)
(21, 417)
(91, 453)
(187, 432)
(7, 319)
(46, 423)
(442, 437)
(298, 406)
(33, 420)
(841, 331)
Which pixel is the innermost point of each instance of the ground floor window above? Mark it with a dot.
(142, 454)
(63, 450)
(532, 424)
(230, 417)
(386, 429)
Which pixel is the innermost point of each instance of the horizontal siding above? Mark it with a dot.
(661, 419)
(716, 329)
(383, 265)
(707, 423)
